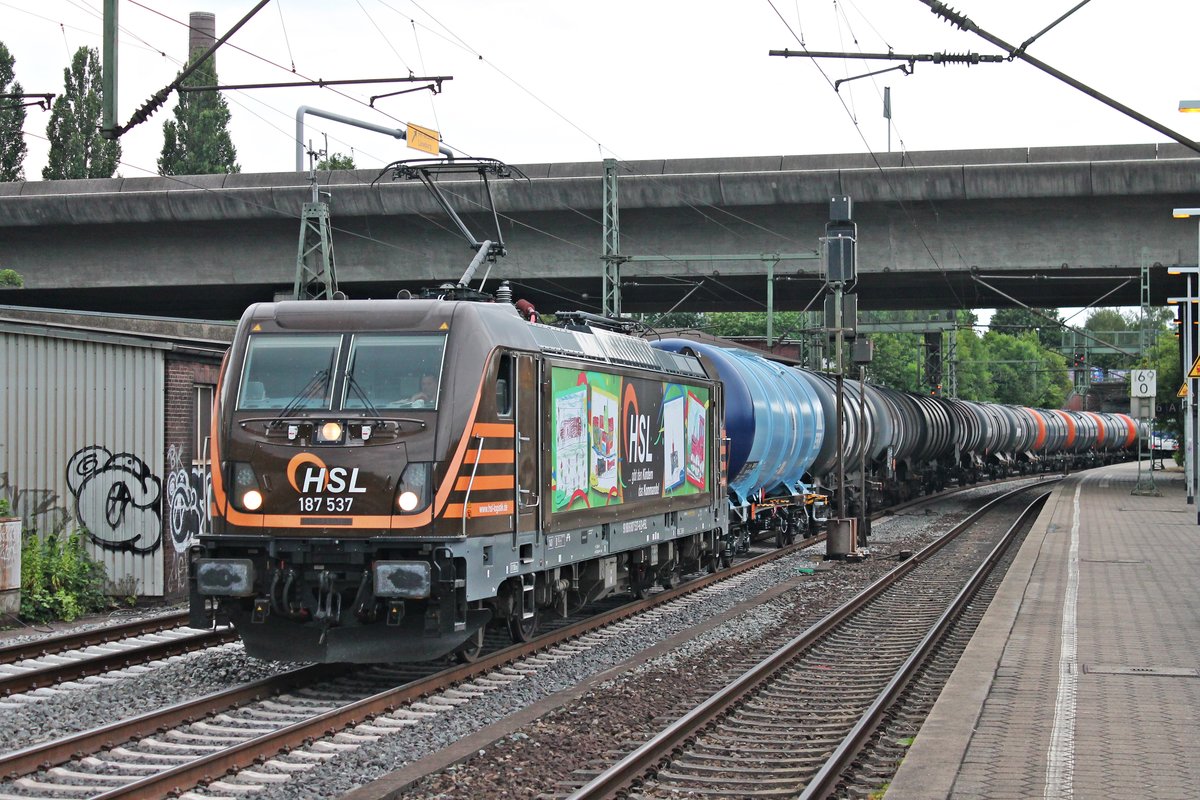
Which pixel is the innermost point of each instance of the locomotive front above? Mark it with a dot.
(335, 424)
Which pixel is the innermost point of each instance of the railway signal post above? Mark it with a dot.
(841, 319)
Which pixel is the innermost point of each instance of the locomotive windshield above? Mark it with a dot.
(297, 371)
(394, 371)
(289, 370)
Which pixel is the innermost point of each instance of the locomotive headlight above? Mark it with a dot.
(247, 496)
(330, 432)
(412, 492)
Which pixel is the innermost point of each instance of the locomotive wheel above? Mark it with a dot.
(468, 652)
(522, 630)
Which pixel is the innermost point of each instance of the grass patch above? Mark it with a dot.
(59, 580)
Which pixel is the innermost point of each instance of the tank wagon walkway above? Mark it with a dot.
(1082, 679)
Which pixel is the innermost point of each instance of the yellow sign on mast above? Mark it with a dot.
(423, 139)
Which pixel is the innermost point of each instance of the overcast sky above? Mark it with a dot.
(543, 80)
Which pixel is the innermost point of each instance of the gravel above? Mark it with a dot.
(92, 702)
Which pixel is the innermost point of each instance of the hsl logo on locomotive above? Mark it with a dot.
(320, 478)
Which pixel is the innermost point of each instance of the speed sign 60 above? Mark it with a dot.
(1142, 383)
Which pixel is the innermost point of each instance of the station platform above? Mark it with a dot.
(1082, 679)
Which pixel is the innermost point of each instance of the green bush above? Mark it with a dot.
(59, 580)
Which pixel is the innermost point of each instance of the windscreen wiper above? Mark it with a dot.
(368, 406)
(319, 380)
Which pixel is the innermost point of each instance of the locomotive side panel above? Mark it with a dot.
(621, 445)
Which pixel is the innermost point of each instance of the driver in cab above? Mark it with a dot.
(428, 394)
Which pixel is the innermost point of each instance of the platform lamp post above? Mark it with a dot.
(1189, 405)
(1185, 342)
(1189, 317)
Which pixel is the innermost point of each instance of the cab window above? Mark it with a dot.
(394, 371)
(285, 370)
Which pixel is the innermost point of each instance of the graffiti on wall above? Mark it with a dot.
(41, 509)
(116, 499)
(188, 493)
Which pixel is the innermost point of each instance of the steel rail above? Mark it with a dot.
(623, 774)
(825, 781)
(50, 645)
(96, 665)
(49, 754)
(99, 665)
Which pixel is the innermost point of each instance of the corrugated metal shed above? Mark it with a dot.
(81, 443)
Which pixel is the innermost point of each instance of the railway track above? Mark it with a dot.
(62, 658)
(246, 728)
(794, 722)
(67, 657)
(175, 749)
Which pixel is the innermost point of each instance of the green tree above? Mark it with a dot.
(197, 141)
(336, 161)
(898, 356)
(696, 320)
(1016, 321)
(76, 148)
(1015, 363)
(1164, 357)
(1102, 323)
(752, 323)
(12, 122)
(974, 376)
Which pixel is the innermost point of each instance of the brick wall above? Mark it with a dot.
(185, 505)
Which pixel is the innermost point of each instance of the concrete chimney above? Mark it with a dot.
(203, 31)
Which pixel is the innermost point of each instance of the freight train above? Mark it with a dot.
(392, 477)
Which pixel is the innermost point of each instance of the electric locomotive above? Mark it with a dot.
(392, 476)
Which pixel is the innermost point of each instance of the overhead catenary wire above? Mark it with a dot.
(269, 62)
(879, 167)
(286, 40)
(384, 36)
(628, 166)
(160, 97)
(288, 132)
(965, 23)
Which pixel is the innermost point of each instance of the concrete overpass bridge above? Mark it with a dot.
(944, 229)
